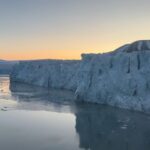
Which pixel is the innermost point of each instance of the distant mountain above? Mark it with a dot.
(6, 66)
(1, 60)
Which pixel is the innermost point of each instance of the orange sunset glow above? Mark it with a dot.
(64, 30)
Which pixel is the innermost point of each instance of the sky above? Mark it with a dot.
(63, 29)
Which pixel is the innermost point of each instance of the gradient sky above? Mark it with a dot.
(32, 29)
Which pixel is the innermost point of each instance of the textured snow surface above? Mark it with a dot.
(120, 78)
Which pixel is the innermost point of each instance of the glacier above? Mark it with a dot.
(120, 78)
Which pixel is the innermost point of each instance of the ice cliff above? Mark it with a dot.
(59, 74)
(120, 78)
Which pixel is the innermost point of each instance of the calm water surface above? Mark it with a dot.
(33, 118)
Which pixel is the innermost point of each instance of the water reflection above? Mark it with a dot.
(38, 98)
(107, 128)
(98, 127)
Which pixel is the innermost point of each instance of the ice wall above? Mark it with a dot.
(120, 78)
(47, 73)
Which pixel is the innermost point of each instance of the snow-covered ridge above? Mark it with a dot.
(120, 78)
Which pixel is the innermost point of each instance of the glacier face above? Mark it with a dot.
(120, 78)
(47, 73)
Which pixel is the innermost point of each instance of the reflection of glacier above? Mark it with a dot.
(33, 93)
(38, 98)
(108, 129)
(99, 127)
(120, 78)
